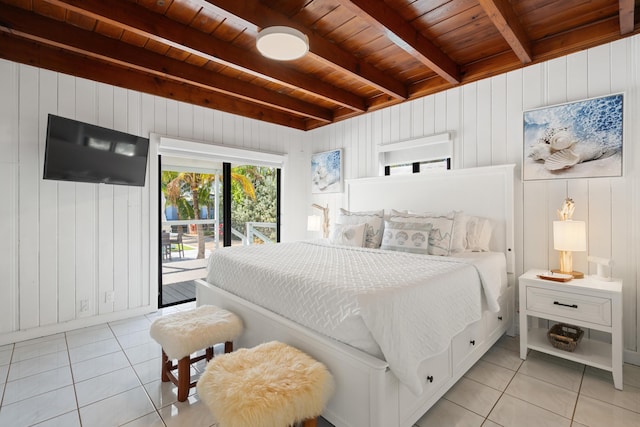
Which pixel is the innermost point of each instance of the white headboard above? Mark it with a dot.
(484, 191)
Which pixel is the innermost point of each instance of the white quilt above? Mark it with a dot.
(400, 306)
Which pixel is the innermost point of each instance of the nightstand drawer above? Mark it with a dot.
(575, 306)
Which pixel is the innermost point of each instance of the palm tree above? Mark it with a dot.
(199, 187)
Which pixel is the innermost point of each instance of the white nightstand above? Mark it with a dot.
(588, 303)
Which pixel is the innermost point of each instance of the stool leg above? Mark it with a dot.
(165, 367)
(209, 353)
(228, 347)
(311, 422)
(184, 378)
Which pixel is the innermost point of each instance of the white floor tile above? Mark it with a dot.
(446, 413)
(134, 339)
(70, 419)
(4, 372)
(84, 336)
(100, 365)
(38, 365)
(151, 420)
(39, 408)
(106, 385)
(555, 370)
(509, 343)
(40, 349)
(503, 357)
(5, 355)
(489, 423)
(490, 375)
(40, 340)
(93, 350)
(34, 385)
(601, 388)
(631, 375)
(474, 396)
(117, 410)
(545, 395)
(163, 394)
(192, 413)
(513, 412)
(129, 326)
(592, 412)
(149, 371)
(144, 352)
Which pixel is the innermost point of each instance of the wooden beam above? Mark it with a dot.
(386, 20)
(24, 51)
(627, 16)
(157, 27)
(36, 27)
(508, 24)
(261, 16)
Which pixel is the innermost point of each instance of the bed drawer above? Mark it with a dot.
(466, 342)
(493, 321)
(575, 306)
(434, 372)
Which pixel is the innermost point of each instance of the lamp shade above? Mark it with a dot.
(314, 223)
(569, 236)
(282, 43)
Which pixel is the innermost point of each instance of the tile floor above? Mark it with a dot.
(109, 375)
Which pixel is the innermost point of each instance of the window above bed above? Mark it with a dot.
(416, 155)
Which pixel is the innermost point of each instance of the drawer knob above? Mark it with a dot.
(499, 317)
(565, 305)
(472, 342)
(430, 379)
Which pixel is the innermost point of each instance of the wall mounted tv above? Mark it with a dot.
(77, 151)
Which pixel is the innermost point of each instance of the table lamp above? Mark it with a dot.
(569, 236)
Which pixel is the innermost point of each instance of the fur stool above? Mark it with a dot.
(270, 385)
(183, 333)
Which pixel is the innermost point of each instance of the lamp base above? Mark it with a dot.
(575, 274)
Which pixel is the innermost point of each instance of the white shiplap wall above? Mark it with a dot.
(65, 242)
(485, 119)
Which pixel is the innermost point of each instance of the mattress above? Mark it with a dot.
(401, 307)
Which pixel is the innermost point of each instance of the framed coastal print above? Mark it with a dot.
(581, 139)
(326, 172)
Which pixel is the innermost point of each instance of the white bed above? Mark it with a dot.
(368, 392)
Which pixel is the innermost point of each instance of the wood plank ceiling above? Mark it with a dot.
(364, 54)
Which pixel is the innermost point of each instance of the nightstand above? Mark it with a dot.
(588, 303)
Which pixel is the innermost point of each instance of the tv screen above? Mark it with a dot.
(77, 151)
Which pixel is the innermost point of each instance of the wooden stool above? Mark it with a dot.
(270, 385)
(183, 333)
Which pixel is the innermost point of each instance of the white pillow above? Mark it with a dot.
(374, 225)
(349, 235)
(459, 232)
(479, 232)
(441, 232)
(406, 237)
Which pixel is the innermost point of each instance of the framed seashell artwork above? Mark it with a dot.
(581, 139)
(326, 172)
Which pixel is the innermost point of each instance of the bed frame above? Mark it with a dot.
(367, 393)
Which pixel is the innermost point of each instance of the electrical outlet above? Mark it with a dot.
(84, 306)
(109, 296)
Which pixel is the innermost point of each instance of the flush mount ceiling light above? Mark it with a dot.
(282, 43)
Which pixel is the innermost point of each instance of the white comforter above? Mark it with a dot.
(403, 307)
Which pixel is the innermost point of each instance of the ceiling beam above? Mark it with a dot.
(258, 15)
(501, 13)
(24, 51)
(627, 16)
(386, 20)
(48, 31)
(157, 27)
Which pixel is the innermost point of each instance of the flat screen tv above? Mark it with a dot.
(77, 151)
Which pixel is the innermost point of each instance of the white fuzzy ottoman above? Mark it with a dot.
(270, 385)
(183, 333)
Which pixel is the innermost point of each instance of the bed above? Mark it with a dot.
(393, 350)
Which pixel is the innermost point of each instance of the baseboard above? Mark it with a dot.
(28, 334)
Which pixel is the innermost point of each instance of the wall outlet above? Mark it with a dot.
(109, 296)
(84, 306)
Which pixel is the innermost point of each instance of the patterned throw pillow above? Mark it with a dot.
(479, 232)
(374, 221)
(406, 237)
(348, 235)
(441, 232)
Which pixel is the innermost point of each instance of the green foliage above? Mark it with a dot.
(262, 208)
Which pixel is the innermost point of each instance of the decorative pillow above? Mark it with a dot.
(440, 235)
(479, 232)
(374, 225)
(406, 237)
(459, 232)
(348, 235)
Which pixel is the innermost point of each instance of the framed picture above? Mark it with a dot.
(581, 139)
(326, 172)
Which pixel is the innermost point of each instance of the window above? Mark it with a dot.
(417, 155)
